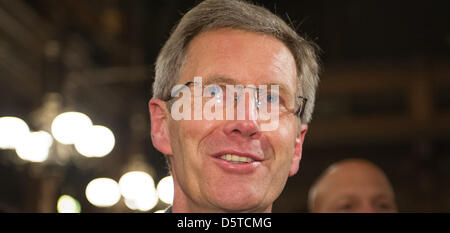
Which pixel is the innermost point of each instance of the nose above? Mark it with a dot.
(245, 121)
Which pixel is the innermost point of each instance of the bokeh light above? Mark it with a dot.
(144, 202)
(98, 141)
(34, 146)
(68, 127)
(68, 204)
(12, 130)
(103, 192)
(138, 189)
(165, 189)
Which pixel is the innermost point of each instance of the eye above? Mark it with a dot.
(213, 91)
(268, 97)
(272, 98)
(384, 206)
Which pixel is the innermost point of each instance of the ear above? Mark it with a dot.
(159, 126)
(298, 150)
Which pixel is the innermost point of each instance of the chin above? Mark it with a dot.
(240, 207)
(239, 201)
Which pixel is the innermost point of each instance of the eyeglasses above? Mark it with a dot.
(262, 96)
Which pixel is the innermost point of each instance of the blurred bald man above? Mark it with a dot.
(352, 186)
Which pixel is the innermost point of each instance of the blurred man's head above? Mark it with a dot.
(352, 185)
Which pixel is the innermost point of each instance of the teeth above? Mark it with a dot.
(236, 158)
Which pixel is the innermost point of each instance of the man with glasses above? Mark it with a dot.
(234, 91)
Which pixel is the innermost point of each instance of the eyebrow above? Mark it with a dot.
(220, 79)
(224, 80)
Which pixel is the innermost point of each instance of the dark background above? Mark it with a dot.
(383, 95)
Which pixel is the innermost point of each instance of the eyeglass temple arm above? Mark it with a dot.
(300, 110)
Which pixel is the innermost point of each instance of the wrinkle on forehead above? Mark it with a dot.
(240, 47)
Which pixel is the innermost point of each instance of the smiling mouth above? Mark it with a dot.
(236, 158)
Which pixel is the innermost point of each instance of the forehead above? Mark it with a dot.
(245, 57)
(358, 181)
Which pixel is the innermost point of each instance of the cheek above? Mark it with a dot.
(188, 156)
(283, 144)
(283, 141)
(187, 139)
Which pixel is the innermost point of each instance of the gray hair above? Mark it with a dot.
(236, 14)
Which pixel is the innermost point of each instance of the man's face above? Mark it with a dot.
(355, 187)
(205, 182)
